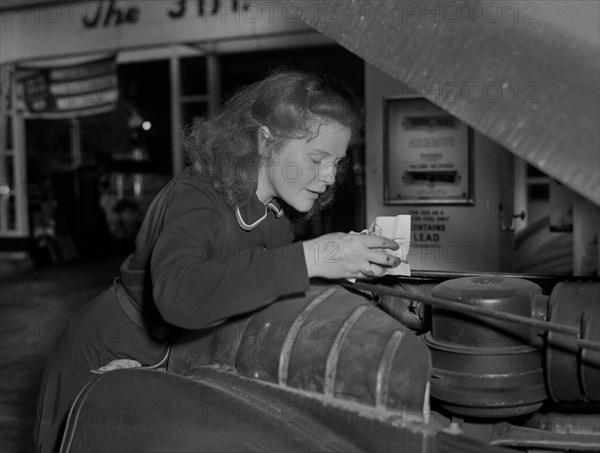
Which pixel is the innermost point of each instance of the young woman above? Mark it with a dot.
(216, 242)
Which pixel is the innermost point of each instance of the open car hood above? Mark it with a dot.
(525, 74)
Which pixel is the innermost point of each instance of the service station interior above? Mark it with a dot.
(482, 127)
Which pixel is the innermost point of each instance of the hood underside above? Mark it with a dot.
(524, 74)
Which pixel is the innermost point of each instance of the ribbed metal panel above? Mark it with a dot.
(330, 342)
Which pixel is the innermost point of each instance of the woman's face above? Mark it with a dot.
(303, 168)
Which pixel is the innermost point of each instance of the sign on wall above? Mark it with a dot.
(427, 154)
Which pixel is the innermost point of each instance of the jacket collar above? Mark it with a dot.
(254, 213)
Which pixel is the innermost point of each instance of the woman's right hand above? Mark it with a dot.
(341, 255)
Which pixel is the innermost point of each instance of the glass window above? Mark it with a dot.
(538, 192)
(9, 132)
(193, 76)
(8, 172)
(11, 213)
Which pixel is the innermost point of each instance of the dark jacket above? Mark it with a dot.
(198, 262)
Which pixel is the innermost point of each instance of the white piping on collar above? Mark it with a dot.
(278, 211)
(248, 227)
(242, 223)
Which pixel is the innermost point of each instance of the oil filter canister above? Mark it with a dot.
(485, 367)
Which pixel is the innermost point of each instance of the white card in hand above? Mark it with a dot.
(396, 228)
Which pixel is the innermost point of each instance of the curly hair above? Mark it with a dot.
(224, 148)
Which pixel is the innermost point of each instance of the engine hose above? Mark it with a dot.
(456, 305)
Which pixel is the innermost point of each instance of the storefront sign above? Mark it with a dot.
(109, 13)
(83, 27)
(113, 13)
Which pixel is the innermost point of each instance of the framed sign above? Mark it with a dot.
(427, 154)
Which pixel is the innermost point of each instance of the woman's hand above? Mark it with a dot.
(341, 255)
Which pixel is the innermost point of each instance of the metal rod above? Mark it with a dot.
(458, 306)
(177, 160)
